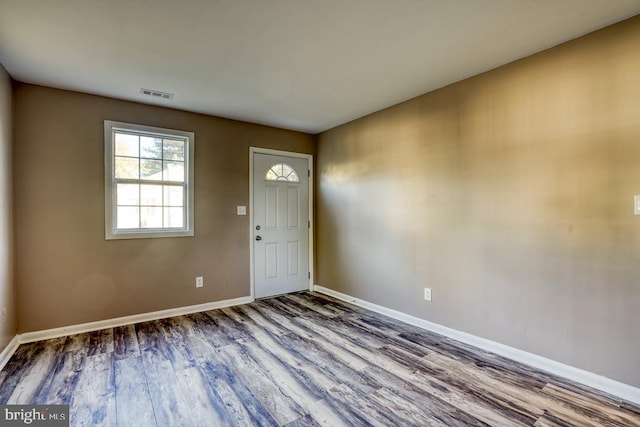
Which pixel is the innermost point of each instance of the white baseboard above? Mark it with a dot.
(28, 337)
(128, 320)
(8, 351)
(613, 387)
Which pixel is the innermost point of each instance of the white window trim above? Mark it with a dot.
(110, 195)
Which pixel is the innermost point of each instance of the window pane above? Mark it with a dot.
(151, 169)
(282, 172)
(128, 194)
(151, 195)
(173, 195)
(174, 171)
(271, 175)
(293, 177)
(173, 149)
(128, 217)
(150, 217)
(174, 217)
(150, 148)
(126, 145)
(126, 168)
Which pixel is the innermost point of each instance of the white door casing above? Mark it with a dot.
(280, 223)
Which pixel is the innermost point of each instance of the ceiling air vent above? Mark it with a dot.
(156, 94)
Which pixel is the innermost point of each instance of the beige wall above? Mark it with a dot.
(8, 325)
(66, 273)
(510, 194)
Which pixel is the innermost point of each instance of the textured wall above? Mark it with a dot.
(510, 194)
(66, 273)
(8, 325)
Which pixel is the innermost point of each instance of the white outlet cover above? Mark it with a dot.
(427, 294)
(242, 210)
(199, 282)
(636, 205)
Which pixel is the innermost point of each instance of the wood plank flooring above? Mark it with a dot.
(302, 359)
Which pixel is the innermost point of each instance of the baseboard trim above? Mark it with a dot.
(599, 382)
(28, 337)
(8, 351)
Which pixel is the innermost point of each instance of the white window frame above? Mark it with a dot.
(111, 232)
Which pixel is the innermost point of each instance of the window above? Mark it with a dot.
(282, 172)
(148, 181)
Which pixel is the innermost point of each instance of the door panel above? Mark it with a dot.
(293, 262)
(293, 212)
(271, 260)
(280, 217)
(271, 208)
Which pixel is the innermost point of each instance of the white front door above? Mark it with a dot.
(280, 224)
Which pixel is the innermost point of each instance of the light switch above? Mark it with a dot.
(636, 205)
(242, 210)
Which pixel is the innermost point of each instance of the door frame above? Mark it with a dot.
(309, 158)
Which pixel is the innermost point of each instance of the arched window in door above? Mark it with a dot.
(282, 172)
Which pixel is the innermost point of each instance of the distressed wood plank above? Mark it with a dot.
(432, 405)
(100, 342)
(250, 312)
(284, 307)
(305, 421)
(242, 404)
(206, 409)
(548, 420)
(330, 415)
(175, 345)
(275, 396)
(40, 368)
(125, 342)
(169, 404)
(408, 412)
(273, 350)
(149, 335)
(93, 401)
(14, 370)
(60, 386)
(306, 306)
(563, 402)
(235, 331)
(366, 408)
(209, 329)
(133, 400)
(91, 343)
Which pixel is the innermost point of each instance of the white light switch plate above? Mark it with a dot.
(636, 205)
(242, 210)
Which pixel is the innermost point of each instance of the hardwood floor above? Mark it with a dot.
(296, 360)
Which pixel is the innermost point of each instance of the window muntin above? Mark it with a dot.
(282, 172)
(149, 181)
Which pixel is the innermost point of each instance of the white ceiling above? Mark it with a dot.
(307, 65)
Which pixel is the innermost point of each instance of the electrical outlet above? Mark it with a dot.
(427, 294)
(199, 282)
(4, 314)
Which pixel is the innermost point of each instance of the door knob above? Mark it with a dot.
(258, 238)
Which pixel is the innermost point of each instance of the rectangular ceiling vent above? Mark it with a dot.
(156, 94)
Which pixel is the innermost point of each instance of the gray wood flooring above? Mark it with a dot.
(302, 359)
